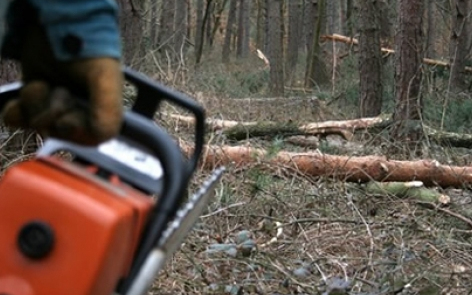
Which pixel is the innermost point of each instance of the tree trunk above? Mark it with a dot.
(260, 21)
(267, 24)
(309, 16)
(349, 20)
(131, 27)
(153, 20)
(430, 50)
(242, 48)
(229, 30)
(370, 59)
(460, 37)
(294, 36)
(199, 30)
(344, 168)
(408, 72)
(316, 73)
(275, 53)
(218, 11)
(180, 28)
(209, 23)
(166, 32)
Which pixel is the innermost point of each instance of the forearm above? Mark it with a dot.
(75, 28)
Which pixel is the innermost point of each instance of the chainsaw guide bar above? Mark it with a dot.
(188, 215)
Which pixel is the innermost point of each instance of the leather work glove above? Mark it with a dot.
(78, 101)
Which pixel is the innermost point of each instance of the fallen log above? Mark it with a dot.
(235, 130)
(354, 41)
(448, 138)
(345, 168)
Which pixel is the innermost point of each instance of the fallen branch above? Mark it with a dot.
(345, 168)
(354, 41)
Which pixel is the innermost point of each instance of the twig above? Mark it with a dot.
(456, 215)
(223, 209)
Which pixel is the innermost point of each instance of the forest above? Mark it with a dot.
(346, 130)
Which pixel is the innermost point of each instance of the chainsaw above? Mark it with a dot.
(105, 220)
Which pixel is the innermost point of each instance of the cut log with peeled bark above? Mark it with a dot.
(345, 168)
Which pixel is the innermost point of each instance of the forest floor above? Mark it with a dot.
(274, 231)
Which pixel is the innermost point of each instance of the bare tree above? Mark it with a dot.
(229, 30)
(180, 26)
(370, 59)
(316, 73)
(131, 26)
(242, 48)
(294, 36)
(166, 32)
(199, 29)
(431, 29)
(260, 21)
(408, 72)
(459, 47)
(275, 53)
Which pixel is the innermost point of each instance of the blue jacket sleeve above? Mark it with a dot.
(77, 28)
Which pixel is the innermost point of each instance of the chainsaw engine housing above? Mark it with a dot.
(65, 231)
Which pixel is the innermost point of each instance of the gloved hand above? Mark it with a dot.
(52, 99)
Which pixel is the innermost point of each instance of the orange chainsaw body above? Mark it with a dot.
(87, 228)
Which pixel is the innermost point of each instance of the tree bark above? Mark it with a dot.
(275, 53)
(180, 28)
(166, 33)
(260, 21)
(344, 168)
(153, 20)
(370, 59)
(431, 30)
(460, 37)
(316, 73)
(294, 37)
(408, 72)
(131, 30)
(199, 30)
(229, 30)
(242, 48)
(349, 18)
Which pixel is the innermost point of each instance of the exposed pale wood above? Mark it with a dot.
(345, 168)
(354, 41)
